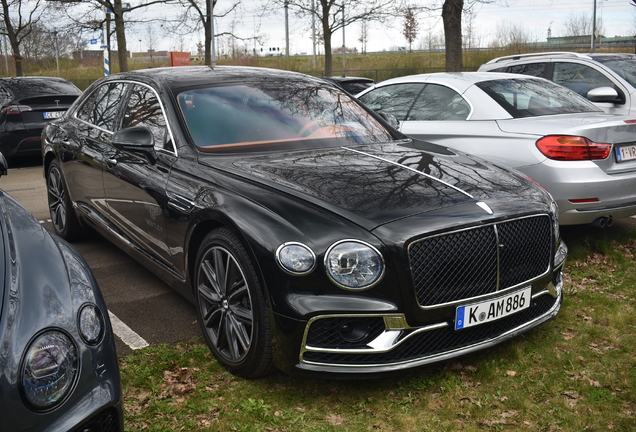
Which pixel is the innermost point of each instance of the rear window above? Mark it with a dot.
(29, 87)
(243, 117)
(532, 97)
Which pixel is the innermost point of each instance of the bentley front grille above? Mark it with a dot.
(474, 262)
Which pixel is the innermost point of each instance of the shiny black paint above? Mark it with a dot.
(45, 282)
(159, 210)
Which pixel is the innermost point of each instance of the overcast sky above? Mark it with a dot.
(534, 17)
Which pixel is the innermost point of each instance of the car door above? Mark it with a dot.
(135, 183)
(83, 142)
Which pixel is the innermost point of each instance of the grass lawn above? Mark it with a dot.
(574, 373)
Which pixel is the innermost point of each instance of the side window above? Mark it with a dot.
(144, 109)
(501, 69)
(437, 102)
(534, 69)
(395, 99)
(101, 106)
(579, 78)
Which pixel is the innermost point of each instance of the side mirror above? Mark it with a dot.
(602, 94)
(390, 119)
(136, 139)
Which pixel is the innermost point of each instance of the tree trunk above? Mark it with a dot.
(326, 32)
(120, 32)
(13, 39)
(207, 29)
(452, 17)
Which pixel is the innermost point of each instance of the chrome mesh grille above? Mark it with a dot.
(481, 260)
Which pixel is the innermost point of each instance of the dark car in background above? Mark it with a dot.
(58, 364)
(26, 105)
(310, 234)
(352, 85)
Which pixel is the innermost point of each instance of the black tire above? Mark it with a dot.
(231, 306)
(63, 215)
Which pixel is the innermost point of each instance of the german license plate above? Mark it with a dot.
(492, 310)
(53, 114)
(625, 153)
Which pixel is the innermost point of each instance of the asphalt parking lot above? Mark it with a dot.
(143, 309)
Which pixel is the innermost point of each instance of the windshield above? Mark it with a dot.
(625, 68)
(523, 97)
(243, 117)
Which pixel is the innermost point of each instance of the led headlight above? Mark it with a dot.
(91, 323)
(49, 369)
(554, 209)
(295, 258)
(352, 264)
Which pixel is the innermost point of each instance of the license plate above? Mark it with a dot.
(625, 153)
(492, 310)
(53, 114)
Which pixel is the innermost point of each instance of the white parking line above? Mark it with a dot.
(126, 334)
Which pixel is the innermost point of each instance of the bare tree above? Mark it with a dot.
(330, 15)
(19, 19)
(411, 26)
(197, 15)
(364, 35)
(581, 25)
(511, 36)
(100, 14)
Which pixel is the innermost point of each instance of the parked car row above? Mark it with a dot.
(311, 235)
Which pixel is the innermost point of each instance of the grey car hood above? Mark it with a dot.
(598, 127)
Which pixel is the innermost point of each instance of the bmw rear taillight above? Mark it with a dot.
(17, 109)
(572, 148)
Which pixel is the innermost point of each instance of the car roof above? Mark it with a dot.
(561, 55)
(183, 77)
(461, 81)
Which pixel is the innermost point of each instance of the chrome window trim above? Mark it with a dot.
(498, 291)
(132, 82)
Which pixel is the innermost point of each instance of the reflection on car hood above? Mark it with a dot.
(386, 182)
(597, 124)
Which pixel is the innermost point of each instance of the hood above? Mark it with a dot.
(381, 183)
(595, 126)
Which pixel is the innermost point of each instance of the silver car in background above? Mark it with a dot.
(607, 79)
(584, 157)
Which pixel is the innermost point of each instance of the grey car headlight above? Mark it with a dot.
(49, 369)
(295, 258)
(91, 324)
(354, 265)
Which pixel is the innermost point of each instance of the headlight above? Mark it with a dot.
(352, 264)
(91, 324)
(554, 209)
(49, 369)
(296, 258)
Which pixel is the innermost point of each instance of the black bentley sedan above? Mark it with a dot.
(26, 105)
(58, 364)
(311, 236)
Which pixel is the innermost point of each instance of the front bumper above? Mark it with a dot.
(387, 343)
